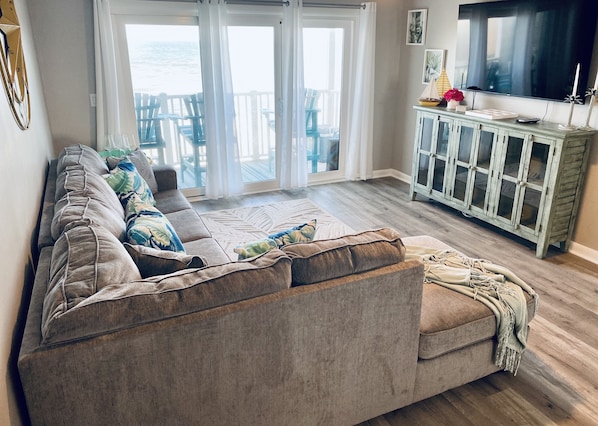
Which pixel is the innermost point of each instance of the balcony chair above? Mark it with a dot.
(192, 131)
(149, 129)
(311, 125)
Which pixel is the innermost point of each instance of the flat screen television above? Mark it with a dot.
(527, 48)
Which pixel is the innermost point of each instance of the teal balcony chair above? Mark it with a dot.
(311, 125)
(149, 124)
(192, 131)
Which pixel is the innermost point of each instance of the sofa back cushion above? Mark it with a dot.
(85, 259)
(75, 178)
(86, 313)
(76, 208)
(327, 259)
(81, 155)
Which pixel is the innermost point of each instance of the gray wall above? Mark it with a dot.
(441, 34)
(63, 32)
(24, 156)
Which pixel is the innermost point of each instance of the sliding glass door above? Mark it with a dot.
(252, 57)
(166, 80)
(323, 52)
(160, 52)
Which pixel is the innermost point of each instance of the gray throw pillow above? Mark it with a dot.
(151, 261)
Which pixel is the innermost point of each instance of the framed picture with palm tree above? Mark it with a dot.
(433, 64)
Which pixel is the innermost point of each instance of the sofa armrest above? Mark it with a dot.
(165, 176)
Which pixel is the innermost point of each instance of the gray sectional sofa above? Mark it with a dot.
(333, 331)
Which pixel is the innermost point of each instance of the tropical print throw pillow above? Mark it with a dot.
(147, 226)
(298, 234)
(125, 180)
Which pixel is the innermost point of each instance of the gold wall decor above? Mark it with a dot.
(12, 64)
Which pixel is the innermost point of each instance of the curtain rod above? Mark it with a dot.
(287, 3)
(333, 5)
(261, 2)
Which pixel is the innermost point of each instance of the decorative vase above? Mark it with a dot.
(452, 104)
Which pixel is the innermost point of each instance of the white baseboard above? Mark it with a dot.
(392, 173)
(584, 252)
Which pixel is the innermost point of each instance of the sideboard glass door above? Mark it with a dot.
(440, 156)
(510, 177)
(434, 135)
(460, 175)
(481, 168)
(425, 149)
(533, 183)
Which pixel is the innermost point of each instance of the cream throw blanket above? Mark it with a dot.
(494, 286)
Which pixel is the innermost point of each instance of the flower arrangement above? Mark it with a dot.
(453, 95)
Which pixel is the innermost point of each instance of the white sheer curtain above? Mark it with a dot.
(293, 149)
(360, 137)
(115, 112)
(223, 173)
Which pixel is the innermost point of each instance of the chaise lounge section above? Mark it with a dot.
(336, 330)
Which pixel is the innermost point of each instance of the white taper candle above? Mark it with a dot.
(576, 80)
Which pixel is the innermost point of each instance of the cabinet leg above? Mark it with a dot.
(413, 194)
(541, 250)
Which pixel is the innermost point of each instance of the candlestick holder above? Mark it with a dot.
(592, 94)
(572, 99)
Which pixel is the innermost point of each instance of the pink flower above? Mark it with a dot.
(454, 95)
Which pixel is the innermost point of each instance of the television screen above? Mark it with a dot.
(527, 48)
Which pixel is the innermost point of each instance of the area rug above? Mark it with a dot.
(241, 225)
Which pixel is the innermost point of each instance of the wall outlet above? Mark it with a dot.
(92, 100)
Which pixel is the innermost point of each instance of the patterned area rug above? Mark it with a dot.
(245, 224)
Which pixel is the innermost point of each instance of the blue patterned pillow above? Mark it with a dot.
(147, 226)
(255, 248)
(298, 234)
(125, 180)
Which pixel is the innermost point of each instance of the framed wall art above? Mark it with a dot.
(433, 64)
(416, 26)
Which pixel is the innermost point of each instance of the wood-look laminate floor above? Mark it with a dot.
(557, 382)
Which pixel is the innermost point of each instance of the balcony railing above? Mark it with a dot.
(254, 132)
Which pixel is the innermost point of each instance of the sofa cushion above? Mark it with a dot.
(74, 178)
(125, 180)
(327, 259)
(165, 296)
(85, 260)
(151, 262)
(208, 249)
(139, 159)
(172, 200)
(44, 238)
(78, 209)
(81, 156)
(451, 320)
(188, 225)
